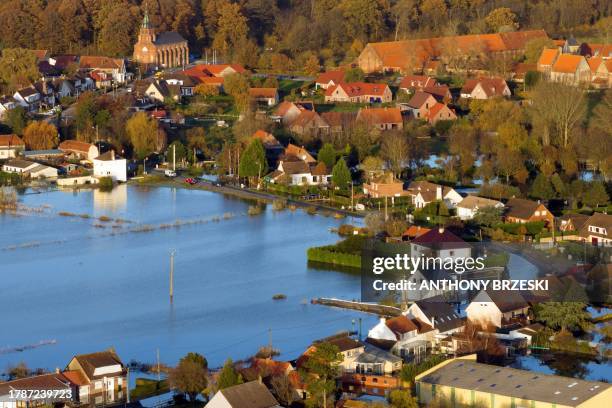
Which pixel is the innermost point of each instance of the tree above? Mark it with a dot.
(321, 370)
(564, 316)
(39, 135)
(228, 376)
(283, 389)
(142, 131)
(196, 140)
(596, 194)
(18, 68)
(363, 18)
(534, 47)
(364, 137)
(176, 152)
(372, 165)
(488, 216)
(237, 86)
(206, 90)
(312, 65)
(232, 28)
(433, 13)
(394, 150)
(542, 188)
(190, 375)
(253, 160)
(501, 19)
(327, 155)
(354, 75)
(463, 144)
(402, 399)
(16, 119)
(341, 176)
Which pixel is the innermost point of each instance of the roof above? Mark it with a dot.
(512, 382)
(217, 69)
(335, 76)
(38, 382)
(40, 54)
(75, 377)
(435, 109)
(415, 231)
(377, 116)
(400, 325)
(306, 117)
(295, 167)
(548, 56)
(19, 163)
(440, 238)
(11, 140)
(89, 362)
(339, 119)
(417, 81)
(25, 92)
(267, 139)
(100, 62)
(443, 314)
(567, 63)
(375, 355)
(299, 152)
(419, 99)
(594, 63)
(75, 146)
(108, 156)
(599, 220)
(492, 86)
(473, 202)
(249, 395)
(521, 208)
(320, 169)
(342, 341)
(263, 92)
(505, 300)
(169, 37)
(577, 220)
(428, 190)
(49, 152)
(438, 91)
(354, 89)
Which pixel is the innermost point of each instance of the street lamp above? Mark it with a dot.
(144, 166)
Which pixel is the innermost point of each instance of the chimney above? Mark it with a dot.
(57, 370)
(438, 192)
(259, 379)
(433, 322)
(112, 154)
(383, 320)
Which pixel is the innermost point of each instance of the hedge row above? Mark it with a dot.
(322, 255)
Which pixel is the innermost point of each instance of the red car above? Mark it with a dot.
(191, 181)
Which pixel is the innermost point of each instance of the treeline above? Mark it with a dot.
(283, 33)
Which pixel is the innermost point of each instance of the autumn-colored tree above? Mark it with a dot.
(18, 68)
(433, 13)
(363, 18)
(206, 90)
(501, 19)
(394, 150)
(142, 131)
(40, 135)
(232, 28)
(534, 47)
(312, 65)
(320, 372)
(190, 375)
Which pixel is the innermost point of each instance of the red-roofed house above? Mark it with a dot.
(329, 78)
(485, 88)
(78, 149)
(10, 146)
(359, 92)
(571, 69)
(547, 59)
(601, 72)
(268, 96)
(382, 118)
(440, 112)
(112, 66)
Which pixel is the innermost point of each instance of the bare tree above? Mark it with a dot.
(394, 150)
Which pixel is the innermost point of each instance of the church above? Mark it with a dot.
(165, 50)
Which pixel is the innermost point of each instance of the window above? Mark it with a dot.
(537, 213)
(98, 385)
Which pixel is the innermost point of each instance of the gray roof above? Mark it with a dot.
(50, 152)
(516, 383)
(20, 164)
(169, 37)
(505, 300)
(249, 395)
(374, 355)
(443, 314)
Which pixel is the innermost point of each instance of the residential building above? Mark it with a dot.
(410, 55)
(547, 59)
(166, 49)
(101, 378)
(186, 83)
(215, 70)
(28, 98)
(271, 145)
(367, 385)
(596, 50)
(522, 211)
(601, 72)
(359, 92)
(413, 83)
(29, 168)
(463, 381)
(339, 122)
(414, 231)
(309, 123)
(376, 361)
(247, 395)
(425, 192)
(348, 347)
(442, 93)
(420, 104)
(297, 172)
(438, 112)
(160, 91)
(7, 103)
(298, 152)
(286, 112)
(485, 88)
(115, 67)
(520, 70)
(572, 222)
(266, 96)
(407, 338)
(79, 150)
(45, 155)
(498, 308)
(470, 205)
(570, 69)
(110, 165)
(440, 243)
(329, 78)
(381, 118)
(598, 229)
(47, 93)
(10, 146)
(437, 313)
(51, 382)
(385, 185)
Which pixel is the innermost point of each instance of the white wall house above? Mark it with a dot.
(6, 104)
(10, 146)
(28, 98)
(424, 192)
(30, 168)
(247, 395)
(497, 308)
(109, 165)
(469, 206)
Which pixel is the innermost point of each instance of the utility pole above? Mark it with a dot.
(158, 370)
(172, 275)
(174, 157)
(270, 343)
(386, 214)
(352, 196)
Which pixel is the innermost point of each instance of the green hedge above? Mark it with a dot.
(323, 255)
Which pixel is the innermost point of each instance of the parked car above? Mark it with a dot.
(170, 173)
(191, 181)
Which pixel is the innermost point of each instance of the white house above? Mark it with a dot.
(28, 98)
(498, 308)
(247, 395)
(6, 104)
(437, 313)
(440, 243)
(53, 382)
(598, 229)
(10, 146)
(469, 206)
(424, 192)
(301, 173)
(268, 96)
(113, 66)
(79, 150)
(109, 165)
(410, 338)
(29, 168)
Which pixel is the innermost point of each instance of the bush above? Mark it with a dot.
(105, 183)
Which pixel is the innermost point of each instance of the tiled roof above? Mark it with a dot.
(249, 395)
(443, 314)
(492, 86)
(263, 92)
(567, 63)
(267, 139)
(99, 62)
(434, 110)
(376, 116)
(354, 89)
(75, 377)
(19, 163)
(598, 220)
(440, 238)
(89, 362)
(521, 208)
(420, 98)
(594, 63)
(335, 76)
(75, 146)
(320, 169)
(169, 37)
(548, 56)
(342, 341)
(11, 141)
(341, 119)
(400, 325)
(38, 382)
(471, 202)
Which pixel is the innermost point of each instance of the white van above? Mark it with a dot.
(170, 173)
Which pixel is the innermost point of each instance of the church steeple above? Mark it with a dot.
(147, 33)
(146, 23)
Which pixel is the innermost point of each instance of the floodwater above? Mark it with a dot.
(88, 284)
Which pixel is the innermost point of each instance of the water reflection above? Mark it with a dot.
(114, 201)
